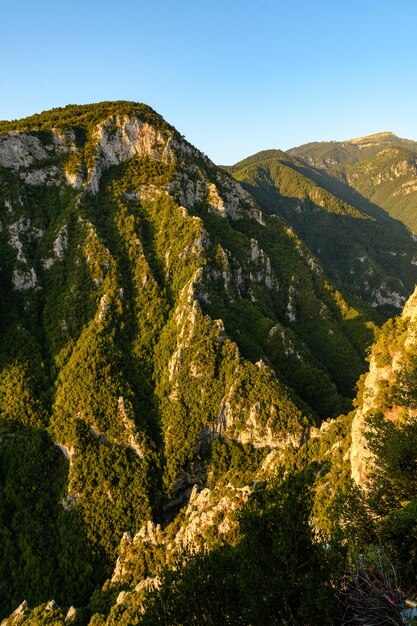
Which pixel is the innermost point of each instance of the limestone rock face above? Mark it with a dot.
(71, 614)
(121, 138)
(18, 616)
(360, 457)
(380, 378)
(206, 510)
(20, 150)
(25, 153)
(410, 308)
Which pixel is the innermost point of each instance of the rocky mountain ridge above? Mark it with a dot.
(361, 248)
(384, 388)
(380, 168)
(168, 348)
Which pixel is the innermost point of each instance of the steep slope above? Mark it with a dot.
(388, 389)
(362, 250)
(380, 512)
(151, 312)
(381, 168)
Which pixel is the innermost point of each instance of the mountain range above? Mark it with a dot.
(183, 437)
(352, 204)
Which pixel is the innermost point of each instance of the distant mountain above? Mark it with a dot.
(324, 154)
(382, 168)
(361, 247)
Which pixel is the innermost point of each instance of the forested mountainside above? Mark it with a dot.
(381, 168)
(177, 376)
(362, 249)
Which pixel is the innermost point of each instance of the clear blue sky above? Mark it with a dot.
(233, 76)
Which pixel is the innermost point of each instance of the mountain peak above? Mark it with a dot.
(375, 138)
(85, 115)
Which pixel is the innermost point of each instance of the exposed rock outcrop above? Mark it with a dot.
(121, 138)
(383, 374)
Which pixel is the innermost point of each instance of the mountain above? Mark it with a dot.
(324, 154)
(387, 390)
(381, 168)
(164, 342)
(361, 248)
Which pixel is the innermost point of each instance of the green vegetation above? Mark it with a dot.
(161, 363)
(44, 550)
(82, 116)
(276, 573)
(380, 171)
(363, 251)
